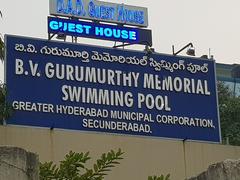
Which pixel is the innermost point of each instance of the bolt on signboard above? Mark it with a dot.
(91, 88)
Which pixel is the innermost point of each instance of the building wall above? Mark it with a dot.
(224, 74)
(143, 156)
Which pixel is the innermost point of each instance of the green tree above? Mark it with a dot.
(229, 108)
(73, 167)
(6, 109)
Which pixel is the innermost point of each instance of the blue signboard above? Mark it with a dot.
(91, 88)
(100, 11)
(99, 31)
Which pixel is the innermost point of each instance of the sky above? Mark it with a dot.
(213, 26)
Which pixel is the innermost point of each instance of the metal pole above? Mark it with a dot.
(234, 87)
(189, 44)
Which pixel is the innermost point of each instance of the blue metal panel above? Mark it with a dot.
(100, 11)
(99, 31)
